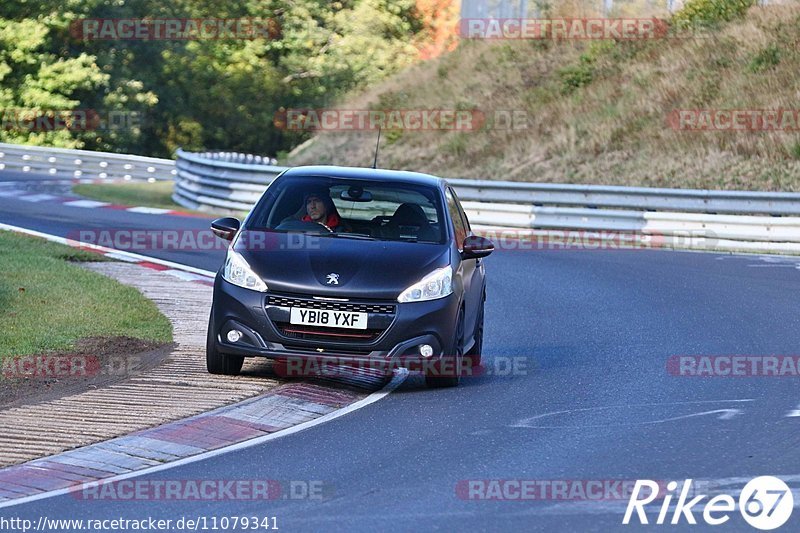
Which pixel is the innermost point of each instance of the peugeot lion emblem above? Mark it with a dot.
(333, 278)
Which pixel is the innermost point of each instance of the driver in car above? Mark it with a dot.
(321, 209)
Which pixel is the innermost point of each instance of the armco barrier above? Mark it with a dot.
(697, 219)
(65, 163)
(222, 181)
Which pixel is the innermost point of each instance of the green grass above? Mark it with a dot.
(47, 303)
(158, 194)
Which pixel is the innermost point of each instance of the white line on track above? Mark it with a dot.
(399, 377)
(37, 197)
(85, 203)
(117, 254)
(149, 210)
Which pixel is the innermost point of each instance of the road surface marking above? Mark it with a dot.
(724, 414)
(85, 203)
(37, 197)
(399, 377)
(149, 210)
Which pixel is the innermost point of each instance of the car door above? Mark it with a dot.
(470, 270)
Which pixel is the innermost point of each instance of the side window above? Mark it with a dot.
(458, 221)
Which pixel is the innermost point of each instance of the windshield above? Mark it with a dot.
(330, 206)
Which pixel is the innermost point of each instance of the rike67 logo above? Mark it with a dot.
(765, 503)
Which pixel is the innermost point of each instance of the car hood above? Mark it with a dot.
(338, 266)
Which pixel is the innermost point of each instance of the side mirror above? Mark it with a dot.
(476, 246)
(225, 228)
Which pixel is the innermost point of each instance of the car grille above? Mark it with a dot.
(379, 308)
(332, 352)
(311, 333)
(381, 316)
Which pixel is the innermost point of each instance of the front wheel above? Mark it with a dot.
(217, 363)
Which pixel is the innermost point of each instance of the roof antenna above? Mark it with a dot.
(377, 145)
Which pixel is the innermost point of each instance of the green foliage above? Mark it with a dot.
(456, 144)
(576, 76)
(212, 94)
(392, 136)
(710, 12)
(767, 58)
(586, 70)
(796, 150)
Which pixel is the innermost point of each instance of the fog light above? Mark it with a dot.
(234, 335)
(426, 350)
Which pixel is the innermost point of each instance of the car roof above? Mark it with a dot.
(366, 174)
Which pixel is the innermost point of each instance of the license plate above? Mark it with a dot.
(328, 318)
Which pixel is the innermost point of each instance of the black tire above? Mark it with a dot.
(451, 364)
(474, 353)
(217, 363)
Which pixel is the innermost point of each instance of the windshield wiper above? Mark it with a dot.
(359, 236)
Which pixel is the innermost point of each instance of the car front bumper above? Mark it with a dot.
(411, 325)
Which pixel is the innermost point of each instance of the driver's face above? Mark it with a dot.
(315, 208)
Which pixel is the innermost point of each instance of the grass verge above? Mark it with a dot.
(158, 194)
(48, 304)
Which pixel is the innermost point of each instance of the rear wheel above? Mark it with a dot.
(217, 363)
(448, 373)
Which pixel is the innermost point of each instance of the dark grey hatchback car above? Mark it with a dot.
(368, 266)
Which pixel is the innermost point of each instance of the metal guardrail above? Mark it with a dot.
(735, 219)
(636, 198)
(233, 182)
(223, 181)
(702, 219)
(84, 164)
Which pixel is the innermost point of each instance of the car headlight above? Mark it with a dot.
(437, 284)
(238, 272)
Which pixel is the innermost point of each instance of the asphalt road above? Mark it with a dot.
(591, 333)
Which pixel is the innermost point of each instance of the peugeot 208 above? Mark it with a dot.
(369, 266)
